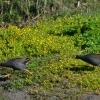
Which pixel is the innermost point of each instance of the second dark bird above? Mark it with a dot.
(17, 64)
(93, 59)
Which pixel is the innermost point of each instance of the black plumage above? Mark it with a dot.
(17, 64)
(93, 59)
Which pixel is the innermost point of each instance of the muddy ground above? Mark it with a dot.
(58, 93)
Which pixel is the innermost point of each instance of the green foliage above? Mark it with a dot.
(6, 17)
(52, 45)
(11, 18)
(89, 37)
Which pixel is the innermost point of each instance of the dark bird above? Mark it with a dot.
(93, 59)
(17, 64)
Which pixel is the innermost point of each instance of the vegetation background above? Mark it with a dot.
(51, 33)
(26, 12)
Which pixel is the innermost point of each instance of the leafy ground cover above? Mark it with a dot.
(52, 45)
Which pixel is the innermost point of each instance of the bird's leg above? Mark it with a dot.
(28, 71)
(8, 75)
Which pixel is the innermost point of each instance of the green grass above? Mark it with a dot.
(49, 71)
(52, 70)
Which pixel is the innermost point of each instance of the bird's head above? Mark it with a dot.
(77, 57)
(27, 59)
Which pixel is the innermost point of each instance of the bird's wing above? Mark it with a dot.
(7, 64)
(93, 59)
(23, 60)
(19, 66)
(94, 56)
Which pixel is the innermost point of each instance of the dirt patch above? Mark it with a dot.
(19, 95)
(90, 97)
(56, 94)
